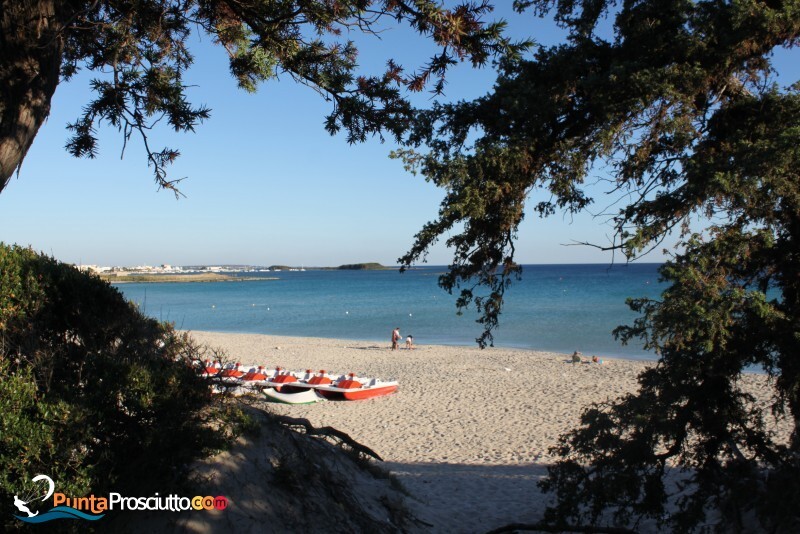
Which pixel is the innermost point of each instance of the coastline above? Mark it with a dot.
(645, 358)
(180, 278)
(468, 429)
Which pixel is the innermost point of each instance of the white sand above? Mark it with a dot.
(468, 431)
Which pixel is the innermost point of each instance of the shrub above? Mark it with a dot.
(92, 392)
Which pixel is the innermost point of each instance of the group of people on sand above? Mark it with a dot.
(396, 337)
(576, 358)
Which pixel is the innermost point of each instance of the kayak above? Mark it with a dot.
(308, 396)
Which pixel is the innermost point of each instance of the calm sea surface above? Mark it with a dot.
(554, 307)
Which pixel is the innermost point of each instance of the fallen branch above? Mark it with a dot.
(328, 432)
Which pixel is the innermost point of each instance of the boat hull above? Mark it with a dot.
(331, 392)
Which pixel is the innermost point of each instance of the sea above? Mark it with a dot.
(559, 308)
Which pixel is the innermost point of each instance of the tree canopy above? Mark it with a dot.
(140, 50)
(676, 109)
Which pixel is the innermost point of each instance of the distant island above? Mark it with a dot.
(362, 267)
(371, 266)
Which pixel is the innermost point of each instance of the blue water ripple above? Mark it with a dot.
(60, 512)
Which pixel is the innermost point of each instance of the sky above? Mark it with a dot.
(265, 184)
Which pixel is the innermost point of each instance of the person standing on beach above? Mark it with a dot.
(395, 338)
(410, 342)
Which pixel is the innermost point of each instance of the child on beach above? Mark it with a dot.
(410, 342)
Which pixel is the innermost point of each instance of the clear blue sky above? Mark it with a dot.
(265, 183)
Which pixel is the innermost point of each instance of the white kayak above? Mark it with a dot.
(308, 396)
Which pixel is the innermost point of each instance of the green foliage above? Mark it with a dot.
(679, 115)
(712, 322)
(92, 393)
(140, 51)
(638, 105)
(32, 427)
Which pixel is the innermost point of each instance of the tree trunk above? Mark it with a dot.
(31, 47)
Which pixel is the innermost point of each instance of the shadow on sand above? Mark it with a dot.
(472, 497)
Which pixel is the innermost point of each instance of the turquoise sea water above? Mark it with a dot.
(554, 307)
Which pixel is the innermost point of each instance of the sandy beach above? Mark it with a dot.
(468, 431)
